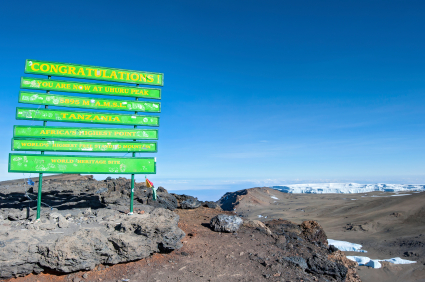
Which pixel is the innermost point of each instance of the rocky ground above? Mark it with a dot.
(86, 235)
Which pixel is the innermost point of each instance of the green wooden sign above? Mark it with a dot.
(92, 72)
(49, 132)
(83, 146)
(89, 88)
(85, 117)
(80, 164)
(88, 103)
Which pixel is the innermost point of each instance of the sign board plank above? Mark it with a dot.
(85, 117)
(92, 72)
(80, 164)
(88, 102)
(49, 132)
(89, 88)
(83, 146)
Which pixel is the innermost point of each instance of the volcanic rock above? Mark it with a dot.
(190, 204)
(211, 205)
(108, 237)
(226, 223)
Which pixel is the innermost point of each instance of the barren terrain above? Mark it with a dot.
(386, 224)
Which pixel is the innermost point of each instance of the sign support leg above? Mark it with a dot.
(132, 194)
(40, 181)
(132, 176)
(40, 176)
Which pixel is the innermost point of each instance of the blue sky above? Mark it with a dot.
(256, 92)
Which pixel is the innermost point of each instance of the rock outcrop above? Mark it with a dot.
(308, 244)
(69, 241)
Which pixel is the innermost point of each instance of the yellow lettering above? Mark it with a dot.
(33, 66)
(47, 67)
(81, 71)
(134, 74)
(71, 70)
(60, 69)
(113, 74)
(97, 73)
(150, 78)
(53, 68)
(89, 70)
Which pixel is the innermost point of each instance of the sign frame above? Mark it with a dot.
(80, 172)
(91, 137)
(58, 72)
(82, 113)
(81, 141)
(90, 85)
(81, 105)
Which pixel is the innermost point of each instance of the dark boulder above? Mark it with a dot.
(192, 203)
(211, 205)
(226, 223)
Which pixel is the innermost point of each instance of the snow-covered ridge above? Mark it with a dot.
(347, 188)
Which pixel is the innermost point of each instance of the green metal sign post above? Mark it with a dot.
(64, 139)
(40, 176)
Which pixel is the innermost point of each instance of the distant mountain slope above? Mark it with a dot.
(246, 198)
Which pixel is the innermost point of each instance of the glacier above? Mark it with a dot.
(346, 246)
(347, 188)
(375, 263)
(361, 260)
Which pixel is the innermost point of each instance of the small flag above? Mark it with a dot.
(30, 182)
(149, 184)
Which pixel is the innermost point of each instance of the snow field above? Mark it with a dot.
(348, 188)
